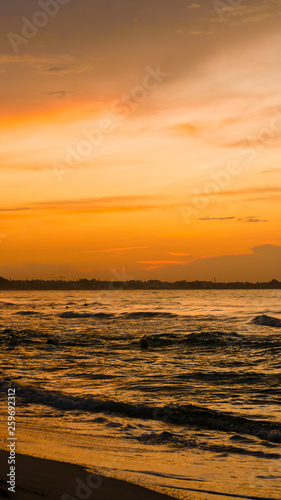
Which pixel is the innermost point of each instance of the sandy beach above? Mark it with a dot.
(38, 478)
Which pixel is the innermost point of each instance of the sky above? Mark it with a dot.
(140, 139)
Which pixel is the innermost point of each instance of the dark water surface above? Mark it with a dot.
(207, 391)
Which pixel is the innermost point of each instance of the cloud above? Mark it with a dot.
(20, 209)
(249, 191)
(179, 254)
(267, 249)
(216, 218)
(115, 250)
(261, 263)
(194, 128)
(187, 128)
(267, 139)
(271, 171)
(248, 220)
(60, 94)
(200, 32)
(151, 265)
(57, 69)
(134, 203)
(44, 64)
(194, 6)
(240, 219)
(237, 15)
(253, 19)
(107, 204)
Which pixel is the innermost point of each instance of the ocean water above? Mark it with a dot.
(197, 414)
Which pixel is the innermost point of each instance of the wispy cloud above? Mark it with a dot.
(244, 14)
(267, 249)
(194, 6)
(199, 127)
(151, 265)
(271, 171)
(60, 94)
(253, 19)
(240, 219)
(58, 69)
(249, 191)
(116, 250)
(58, 63)
(179, 254)
(107, 204)
(216, 218)
(19, 209)
(261, 263)
(200, 32)
(192, 128)
(249, 220)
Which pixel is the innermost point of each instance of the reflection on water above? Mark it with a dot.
(206, 391)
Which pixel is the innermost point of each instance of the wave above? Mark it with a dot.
(177, 440)
(184, 415)
(148, 314)
(196, 338)
(12, 337)
(124, 315)
(212, 339)
(234, 377)
(267, 321)
(215, 337)
(128, 340)
(96, 304)
(72, 315)
(27, 313)
(141, 314)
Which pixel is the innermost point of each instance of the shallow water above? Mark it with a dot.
(201, 404)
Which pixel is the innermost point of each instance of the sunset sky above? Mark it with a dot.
(140, 139)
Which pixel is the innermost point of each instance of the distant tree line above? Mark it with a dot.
(85, 284)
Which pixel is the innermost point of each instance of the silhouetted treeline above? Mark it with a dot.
(85, 284)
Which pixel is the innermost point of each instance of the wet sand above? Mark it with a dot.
(37, 478)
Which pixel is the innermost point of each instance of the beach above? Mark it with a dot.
(38, 478)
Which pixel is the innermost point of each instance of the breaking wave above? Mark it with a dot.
(184, 415)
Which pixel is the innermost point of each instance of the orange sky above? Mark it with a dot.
(140, 140)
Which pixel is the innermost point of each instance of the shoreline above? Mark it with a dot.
(49, 479)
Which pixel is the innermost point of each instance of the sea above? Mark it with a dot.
(197, 414)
